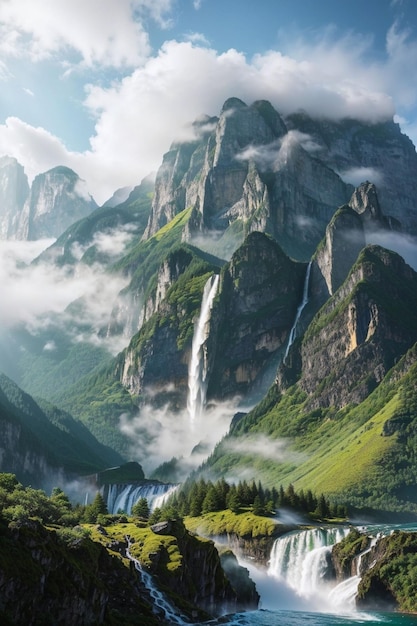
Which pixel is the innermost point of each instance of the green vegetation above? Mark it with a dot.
(243, 524)
(98, 400)
(245, 507)
(395, 573)
(51, 433)
(364, 455)
(145, 258)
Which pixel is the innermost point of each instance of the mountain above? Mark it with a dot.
(258, 286)
(339, 417)
(83, 240)
(55, 200)
(42, 444)
(363, 151)
(14, 190)
(248, 174)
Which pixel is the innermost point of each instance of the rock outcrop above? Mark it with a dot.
(200, 578)
(14, 190)
(385, 566)
(260, 291)
(378, 153)
(358, 334)
(57, 199)
(48, 579)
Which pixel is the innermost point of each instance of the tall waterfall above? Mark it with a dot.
(301, 560)
(123, 497)
(299, 310)
(198, 370)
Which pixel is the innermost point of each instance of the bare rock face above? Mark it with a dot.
(345, 236)
(378, 153)
(57, 199)
(259, 294)
(358, 334)
(247, 173)
(343, 241)
(14, 190)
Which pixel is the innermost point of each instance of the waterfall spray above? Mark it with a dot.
(300, 309)
(301, 560)
(198, 369)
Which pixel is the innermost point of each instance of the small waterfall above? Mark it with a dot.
(299, 310)
(345, 592)
(123, 497)
(159, 601)
(301, 559)
(198, 370)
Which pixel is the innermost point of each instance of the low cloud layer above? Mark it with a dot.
(357, 175)
(401, 243)
(278, 450)
(35, 295)
(274, 155)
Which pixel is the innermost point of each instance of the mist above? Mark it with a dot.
(274, 155)
(157, 435)
(42, 295)
(401, 243)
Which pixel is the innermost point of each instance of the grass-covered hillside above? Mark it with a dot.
(363, 455)
(37, 437)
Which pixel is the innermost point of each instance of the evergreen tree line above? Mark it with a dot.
(199, 497)
(18, 504)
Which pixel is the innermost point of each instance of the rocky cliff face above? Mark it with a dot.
(358, 334)
(379, 153)
(385, 567)
(256, 303)
(249, 173)
(200, 579)
(46, 579)
(14, 190)
(23, 458)
(258, 297)
(57, 199)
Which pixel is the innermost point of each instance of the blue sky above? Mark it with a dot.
(104, 86)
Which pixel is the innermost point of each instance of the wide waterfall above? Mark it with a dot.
(301, 561)
(123, 497)
(198, 369)
(304, 301)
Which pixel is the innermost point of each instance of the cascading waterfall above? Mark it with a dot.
(301, 561)
(160, 602)
(198, 370)
(123, 497)
(304, 301)
(344, 593)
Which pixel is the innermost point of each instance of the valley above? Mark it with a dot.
(248, 318)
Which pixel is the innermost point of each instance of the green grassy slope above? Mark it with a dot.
(363, 454)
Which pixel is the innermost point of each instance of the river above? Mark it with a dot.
(306, 618)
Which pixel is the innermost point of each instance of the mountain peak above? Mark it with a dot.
(233, 103)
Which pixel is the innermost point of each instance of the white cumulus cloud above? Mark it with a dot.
(140, 114)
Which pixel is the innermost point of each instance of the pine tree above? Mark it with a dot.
(257, 506)
(232, 500)
(141, 508)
